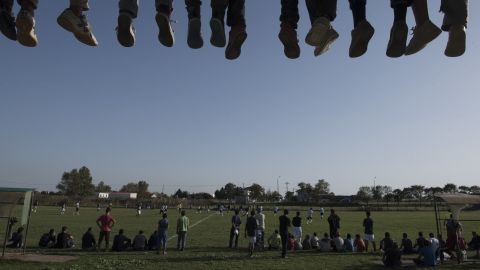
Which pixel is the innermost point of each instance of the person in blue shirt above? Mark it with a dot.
(426, 255)
(348, 243)
(235, 229)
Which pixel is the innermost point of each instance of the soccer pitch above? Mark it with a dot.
(207, 241)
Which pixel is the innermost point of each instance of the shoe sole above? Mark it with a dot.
(325, 45)
(124, 33)
(459, 48)
(314, 36)
(6, 29)
(398, 45)
(195, 40)
(218, 38)
(165, 35)
(291, 47)
(68, 26)
(361, 47)
(24, 28)
(431, 37)
(234, 48)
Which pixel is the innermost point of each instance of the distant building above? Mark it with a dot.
(117, 195)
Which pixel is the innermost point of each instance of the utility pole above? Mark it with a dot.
(278, 185)
(163, 188)
(286, 185)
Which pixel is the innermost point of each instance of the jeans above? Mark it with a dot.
(233, 235)
(235, 11)
(456, 12)
(162, 240)
(131, 6)
(182, 240)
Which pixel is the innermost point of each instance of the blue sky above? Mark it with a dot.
(191, 119)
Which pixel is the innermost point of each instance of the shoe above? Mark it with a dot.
(398, 39)
(165, 35)
(457, 39)
(125, 30)
(289, 39)
(218, 38)
(328, 40)
(195, 40)
(26, 28)
(422, 35)
(317, 32)
(361, 36)
(78, 25)
(237, 37)
(7, 24)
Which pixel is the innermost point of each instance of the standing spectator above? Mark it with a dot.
(334, 223)
(260, 217)
(369, 236)
(474, 244)
(358, 244)
(183, 223)
(139, 242)
(284, 224)
(297, 227)
(251, 231)
(105, 223)
(88, 240)
(235, 229)
(162, 234)
(407, 246)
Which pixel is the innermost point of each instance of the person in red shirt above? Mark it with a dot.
(359, 244)
(105, 223)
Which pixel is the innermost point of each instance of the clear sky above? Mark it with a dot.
(190, 119)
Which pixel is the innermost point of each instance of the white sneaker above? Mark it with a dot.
(78, 26)
(422, 35)
(457, 39)
(26, 28)
(325, 43)
(316, 34)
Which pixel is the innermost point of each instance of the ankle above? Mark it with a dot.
(127, 12)
(165, 9)
(78, 11)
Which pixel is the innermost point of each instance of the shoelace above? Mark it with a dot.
(413, 30)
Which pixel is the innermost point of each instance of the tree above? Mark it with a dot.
(77, 183)
(180, 194)
(256, 191)
(305, 192)
(364, 194)
(450, 188)
(417, 192)
(228, 192)
(322, 187)
(102, 187)
(130, 188)
(464, 189)
(290, 196)
(377, 193)
(143, 189)
(398, 195)
(475, 189)
(389, 197)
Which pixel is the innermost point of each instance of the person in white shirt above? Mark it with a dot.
(314, 241)
(435, 245)
(322, 212)
(338, 243)
(310, 215)
(325, 244)
(260, 217)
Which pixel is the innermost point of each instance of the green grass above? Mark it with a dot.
(207, 242)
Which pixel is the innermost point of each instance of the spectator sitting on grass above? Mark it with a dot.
(314, 241)
(140, 241)
(474, 244)
(64, 239)
(152, 241)
(420, 242)
(274, 241)
(121, 242)
(16, 240)
(338, 243)
(48, 239)
(359, 244)
(325, 244)
(407, 246)
(392, 257)
(348, 243)
(307, 243)
(426, 256)
(88, 240)
(290, 242)
(386, 243)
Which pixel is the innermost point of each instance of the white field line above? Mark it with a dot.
(195, 224)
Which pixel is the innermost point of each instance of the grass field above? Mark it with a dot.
(207, 241)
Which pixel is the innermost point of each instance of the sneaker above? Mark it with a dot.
(422, 35)
(457, 38)
(328, 40)
(288, 37)
(195, 40)
(398, 39)
(125, 30)
(78, 25)
(317, 32)
(26, 28)
(165, 35)
(361, 36)
(237, 36)
(218, 38)
(7, 24)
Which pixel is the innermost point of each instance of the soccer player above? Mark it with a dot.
(77, 209)
(105, 223)
(250, 231)
(275, 210)
(368, 230)
(139, 209)
(310, 216)
(322, 212)
(235, 229)
(35, 206)
(183, 223)
(63, 209)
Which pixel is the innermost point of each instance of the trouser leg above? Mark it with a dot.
(82, 4)
(289, 13)
(321, 8)
(284, 238)
(236, 13)
(456, 12)
(219, 8)
(28, 4)
(358, 8)
(129, 6)
(193, 8)
(6, 5)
